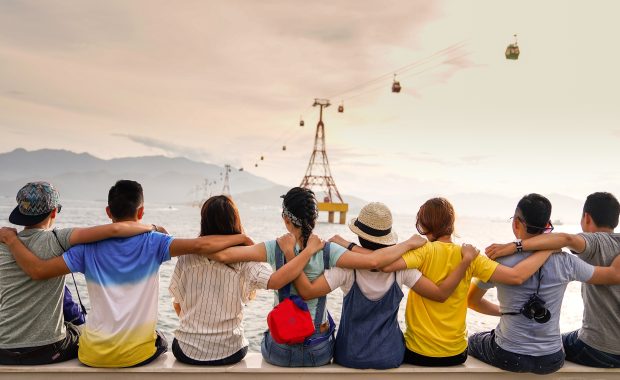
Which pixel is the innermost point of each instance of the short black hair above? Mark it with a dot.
(124, 198)
(603, 208)
(536, 212)
(370, 244)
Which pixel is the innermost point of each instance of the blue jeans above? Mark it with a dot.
(296, 355)
(579, 352)
(482, 346)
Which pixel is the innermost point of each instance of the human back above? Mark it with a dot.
(31, 311)
(211, 295)
(433, 328)
(515, 332)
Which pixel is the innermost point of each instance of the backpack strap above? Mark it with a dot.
(285, 291)
(72, 276)
(320, 306)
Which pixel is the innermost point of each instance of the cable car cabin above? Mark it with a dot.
(255, 165)
(240, 169)
(262, 158)
(512, 51)
(301, 123)
(396, 86)
(283, 147)
(341, 108)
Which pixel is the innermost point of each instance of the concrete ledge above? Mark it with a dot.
(254, 368)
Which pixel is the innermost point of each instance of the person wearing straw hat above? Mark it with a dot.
(371, 297)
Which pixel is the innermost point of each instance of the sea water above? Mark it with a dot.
(264, 223)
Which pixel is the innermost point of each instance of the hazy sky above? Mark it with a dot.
(226, 82)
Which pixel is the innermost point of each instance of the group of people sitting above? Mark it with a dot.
(218, 273)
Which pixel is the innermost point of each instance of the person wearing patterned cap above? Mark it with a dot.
(33, 329)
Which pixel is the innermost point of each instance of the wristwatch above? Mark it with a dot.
(350, 246)
(519, 245)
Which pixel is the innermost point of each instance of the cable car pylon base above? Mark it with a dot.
(318, 174)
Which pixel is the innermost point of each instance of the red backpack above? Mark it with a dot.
(290, 321)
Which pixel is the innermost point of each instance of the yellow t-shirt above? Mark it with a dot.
(438, 329)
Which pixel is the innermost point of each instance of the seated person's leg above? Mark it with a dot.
(232, 359)
(482, 346)
(579, 352)
(161, 346)
(61, 351)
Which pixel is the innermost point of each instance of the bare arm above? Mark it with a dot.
(107, 231)
(207, 245)
(337, 239)
(518, 274)
(553, 241)
(31, 264)
(381, 257)
(476, 301)
(295, 265)
(428, 289)
(607, 275)
(256, 252)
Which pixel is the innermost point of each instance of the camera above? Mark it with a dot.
(535, 309)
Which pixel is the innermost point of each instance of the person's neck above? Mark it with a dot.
(445, 239)
(131, 219)
(525, 236)
(604, 229)
(41, 226)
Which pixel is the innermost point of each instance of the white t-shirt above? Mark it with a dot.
(374, 285)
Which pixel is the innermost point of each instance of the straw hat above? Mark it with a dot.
(374, 223)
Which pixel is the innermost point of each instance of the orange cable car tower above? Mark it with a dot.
(319, 175)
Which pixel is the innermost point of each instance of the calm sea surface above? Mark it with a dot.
(264, 223)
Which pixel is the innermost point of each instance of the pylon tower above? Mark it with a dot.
(318, 174)
(226, 187)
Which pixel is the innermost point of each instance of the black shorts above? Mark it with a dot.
(60, 351)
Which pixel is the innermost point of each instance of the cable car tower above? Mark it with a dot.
(226, 187)
(319, 175)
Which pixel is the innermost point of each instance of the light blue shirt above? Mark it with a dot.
(517, 333)
(313, 269)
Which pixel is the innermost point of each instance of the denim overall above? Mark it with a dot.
(318, 349)
(369, 335)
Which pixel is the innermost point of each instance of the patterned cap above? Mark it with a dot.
(34, 203)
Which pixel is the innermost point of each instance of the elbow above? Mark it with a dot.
(36, 275)
(375, 264)
(223, 258)
(516, 280)
(442, 298)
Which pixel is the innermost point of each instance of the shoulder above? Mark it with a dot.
(336, 249)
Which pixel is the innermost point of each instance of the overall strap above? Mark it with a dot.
(320, 306)
(72, 276)
(285, 291)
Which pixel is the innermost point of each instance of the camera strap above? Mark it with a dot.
(537, 291)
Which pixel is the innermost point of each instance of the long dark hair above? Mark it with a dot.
(302, 204)
(219, 216)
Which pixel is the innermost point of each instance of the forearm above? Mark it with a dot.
(447, 286)
(107, 231)
(518, 274)
(385, 256)
(290, 271)
(486, 307)
(547, 241)
(211, 244)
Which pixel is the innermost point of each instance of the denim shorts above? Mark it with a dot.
(297, 355)
(579, 352)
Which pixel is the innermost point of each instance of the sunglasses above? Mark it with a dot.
(545, 230)
(58, 208)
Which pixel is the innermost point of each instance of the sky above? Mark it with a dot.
(227, 81)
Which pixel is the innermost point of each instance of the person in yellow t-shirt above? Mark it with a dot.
(436, 334)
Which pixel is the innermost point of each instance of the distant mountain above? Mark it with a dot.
(85, 177)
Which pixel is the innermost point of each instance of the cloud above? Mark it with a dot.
(170, 149)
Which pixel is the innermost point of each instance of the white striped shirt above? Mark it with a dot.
(212, 296)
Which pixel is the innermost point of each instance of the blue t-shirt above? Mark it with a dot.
(122, 276)
(313, 269)
(517, 333)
